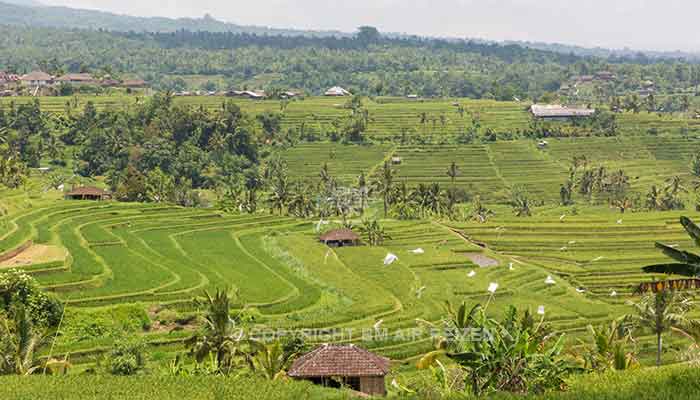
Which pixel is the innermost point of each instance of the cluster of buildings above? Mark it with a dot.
(8, 82)
(335, 91)
(35, 80)
(571, 88)
(646, 87)
(260, 94)
(602, 76)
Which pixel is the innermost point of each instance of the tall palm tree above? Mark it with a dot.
(688, 263)
(219, 336)
(383, 185)
(375, 232)
(325, 175)
(453, 172)
(659, 312)
(363, 192)
(420, 196)
(280, 193)
(301, 202)
(436, 201)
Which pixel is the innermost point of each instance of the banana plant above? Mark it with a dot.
(513, 355)
(271, 361)
(457, 321)
(20, 341)
(607, 348)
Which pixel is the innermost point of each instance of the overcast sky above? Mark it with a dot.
(638, 24)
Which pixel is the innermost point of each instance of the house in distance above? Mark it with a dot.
(554, 112)
(77, 79)
(337, 91)
(36, 79)
(332, 365)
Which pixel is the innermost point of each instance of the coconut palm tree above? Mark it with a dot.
(325, 176)
(436, 202)
(383, 185)
(453, 172)
(301, 203)
(363, 191)
(279, 194)
(403, 205)
(375, 232)
(659, 312)
(688, 264)
(480, 213)
(220, 336)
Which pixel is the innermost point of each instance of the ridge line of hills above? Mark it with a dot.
(33, 13)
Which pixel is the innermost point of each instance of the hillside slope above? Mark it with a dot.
(31, 13)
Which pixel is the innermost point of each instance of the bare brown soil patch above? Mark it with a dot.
(482, 260)
(36, 254)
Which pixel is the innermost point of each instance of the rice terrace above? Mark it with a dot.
(201, 211)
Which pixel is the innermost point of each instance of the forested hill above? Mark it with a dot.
(30, 13)
(367, 63)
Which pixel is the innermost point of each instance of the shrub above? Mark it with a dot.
(126, 358)
(19, 288)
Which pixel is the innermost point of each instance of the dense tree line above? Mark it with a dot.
(367, 63)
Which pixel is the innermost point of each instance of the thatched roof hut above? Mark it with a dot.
(340, 237)
(88, 193)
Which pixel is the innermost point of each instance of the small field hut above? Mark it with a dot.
(88, 193)
(332, 365)
(340, 238)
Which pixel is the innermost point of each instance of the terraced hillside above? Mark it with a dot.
(345, 162)
(429, 164)
(436, 119)
(146, 255)
(598, 253)
(602, 252)
(492, 169)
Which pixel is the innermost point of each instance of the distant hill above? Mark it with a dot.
(32, 13)
(625, 53)
(30, 3)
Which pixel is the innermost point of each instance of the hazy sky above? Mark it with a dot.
(638, 24)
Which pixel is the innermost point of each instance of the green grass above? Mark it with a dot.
(79, 387)
(679, 382)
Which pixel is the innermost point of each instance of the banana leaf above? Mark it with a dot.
(673, 269)
(679, 255)
(692, 229)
